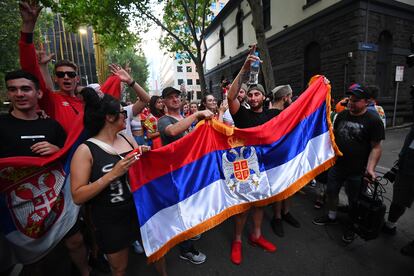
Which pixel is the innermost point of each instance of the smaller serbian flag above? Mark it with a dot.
(217, 171)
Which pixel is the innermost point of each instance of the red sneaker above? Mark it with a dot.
(236, 252)
(263, 243)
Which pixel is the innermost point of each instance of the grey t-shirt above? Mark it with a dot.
(163, 123)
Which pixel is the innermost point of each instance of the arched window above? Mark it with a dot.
(266, 14)
(384, 58)
(239, 25)
(210, 86)
(221, 37)
(312, 61)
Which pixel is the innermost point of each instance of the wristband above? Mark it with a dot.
(132, 83)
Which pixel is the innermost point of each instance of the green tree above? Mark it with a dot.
(257, 22)
(110, 19)
(184, 22)
(9, 37)
(135, 60)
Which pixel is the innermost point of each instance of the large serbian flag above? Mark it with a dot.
(199, 181)
(36, 206)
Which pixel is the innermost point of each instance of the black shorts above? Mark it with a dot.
(117, 230)
(75, 229)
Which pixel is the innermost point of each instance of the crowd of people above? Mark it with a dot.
(118, 133)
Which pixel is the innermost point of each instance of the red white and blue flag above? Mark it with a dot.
(36, 206)
(216, 171)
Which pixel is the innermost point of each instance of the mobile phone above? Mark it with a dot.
(136, 151)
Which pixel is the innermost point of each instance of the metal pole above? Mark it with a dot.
(83, 58)
(395, 104)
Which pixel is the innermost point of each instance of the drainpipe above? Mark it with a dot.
(366, 40)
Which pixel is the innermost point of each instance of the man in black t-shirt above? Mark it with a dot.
(358, 134)
(22, 131)
(245, 118)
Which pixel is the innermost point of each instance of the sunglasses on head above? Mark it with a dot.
(70, 74)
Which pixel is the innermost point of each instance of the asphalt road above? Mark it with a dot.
(309, 250)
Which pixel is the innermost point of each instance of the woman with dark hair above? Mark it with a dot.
(156, 107)
(210, 102)
(99, 178)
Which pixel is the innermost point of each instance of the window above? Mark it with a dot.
(213, 5)
(266, 14)
(180, 81)
(221, 5)
(198, 95)
(210, 85)
(179, 68)
(312, 61)
(384, 63)
(197, 81)
(189, 69)
(239, 24)
(221, 36)
(189, 82)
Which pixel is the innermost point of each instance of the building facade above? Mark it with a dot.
(76, 47)
(347, 41)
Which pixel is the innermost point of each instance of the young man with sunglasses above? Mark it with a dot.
(63, 105)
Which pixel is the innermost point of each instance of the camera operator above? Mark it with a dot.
(358, 134)
(403, 191)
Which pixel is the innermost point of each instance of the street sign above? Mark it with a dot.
(399, 73)
(365, 46)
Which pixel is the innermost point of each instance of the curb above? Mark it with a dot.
(400, 126)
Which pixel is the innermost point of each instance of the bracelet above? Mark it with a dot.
(132, 83)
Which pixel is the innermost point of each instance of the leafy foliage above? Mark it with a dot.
(110, 19)
(135, 60)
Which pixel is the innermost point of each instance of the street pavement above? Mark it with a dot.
(308, 250)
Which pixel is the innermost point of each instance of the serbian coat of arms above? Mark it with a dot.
(242, 173)
(36, 201)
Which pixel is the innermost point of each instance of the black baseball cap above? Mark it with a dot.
(358, 91)
(169, 90)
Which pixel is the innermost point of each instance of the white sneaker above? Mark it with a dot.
(194, 256)
(137, 247)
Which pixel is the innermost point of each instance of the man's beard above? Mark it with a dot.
(286, 105)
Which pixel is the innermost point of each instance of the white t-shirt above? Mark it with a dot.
(227, 119)
(130, 122)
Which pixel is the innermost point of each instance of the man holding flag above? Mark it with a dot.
(245, 118)
(24, 133)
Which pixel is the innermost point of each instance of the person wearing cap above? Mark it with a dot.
(173, 126)
(358, 134)
(245, 118)
(282, 98)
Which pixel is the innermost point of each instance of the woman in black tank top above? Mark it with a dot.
(99, 178)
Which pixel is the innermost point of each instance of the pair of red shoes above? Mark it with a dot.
(236, 247)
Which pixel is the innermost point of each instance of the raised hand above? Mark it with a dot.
(250, 58)
(121, 73)
(44, 58)
(29, 13)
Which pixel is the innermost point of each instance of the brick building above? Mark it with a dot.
(347, 41)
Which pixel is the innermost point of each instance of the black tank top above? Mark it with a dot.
(117, 193)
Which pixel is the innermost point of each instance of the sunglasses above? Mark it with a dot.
(123, 112)
(61, 74)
